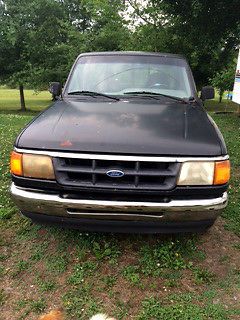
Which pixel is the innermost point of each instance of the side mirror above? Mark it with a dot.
(55, 89)
(207, 93)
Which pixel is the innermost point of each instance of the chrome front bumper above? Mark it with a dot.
(39, 203)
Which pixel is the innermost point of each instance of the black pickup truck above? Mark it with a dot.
(126, 147)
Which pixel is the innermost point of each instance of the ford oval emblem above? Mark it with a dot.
(115, 173)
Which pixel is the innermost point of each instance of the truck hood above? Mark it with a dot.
(134, 126)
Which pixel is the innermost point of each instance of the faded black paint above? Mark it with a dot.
(129, 126)
(133, 125)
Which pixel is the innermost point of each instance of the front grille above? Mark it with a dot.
(138, 175)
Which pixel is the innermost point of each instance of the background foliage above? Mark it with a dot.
(41, 38)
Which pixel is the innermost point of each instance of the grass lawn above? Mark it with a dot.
(35, 101)
(146, 277)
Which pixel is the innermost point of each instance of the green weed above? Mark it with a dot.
(28, 305)
(81, 271)
(21, 266)
(76, 302)
(57, 263)
(131, 273)
(105, 250)
(46, 285)
(109, 281)
(168, 254)
(203, 276)
(121, 311)
(39, 251)
(237, 246)
(37, 306)
(3, 257)
(152, 308)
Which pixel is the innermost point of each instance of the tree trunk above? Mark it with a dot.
(221, 96)
(22, 100)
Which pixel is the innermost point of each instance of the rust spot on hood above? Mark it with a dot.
(66, 143)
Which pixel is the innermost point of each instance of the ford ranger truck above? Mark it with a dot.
(126, 147)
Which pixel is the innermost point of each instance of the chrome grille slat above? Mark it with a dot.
(140, 175)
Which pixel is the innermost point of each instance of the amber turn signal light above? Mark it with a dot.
(16, 163)
(222, 172)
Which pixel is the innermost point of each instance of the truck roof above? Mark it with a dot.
(132, 53)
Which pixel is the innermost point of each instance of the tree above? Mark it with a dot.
(206, 32)
(11, 51)
(224, 79)
(109, 30)
(41, 38)
(39, 48)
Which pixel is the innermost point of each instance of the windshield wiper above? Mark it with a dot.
(143, 94)
(92, 94)
(150, 93)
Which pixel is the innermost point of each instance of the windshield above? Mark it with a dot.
(125, 74)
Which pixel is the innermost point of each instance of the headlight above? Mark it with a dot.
(32, 166)
(204, 173)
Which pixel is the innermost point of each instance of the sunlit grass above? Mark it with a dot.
(36, 101)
